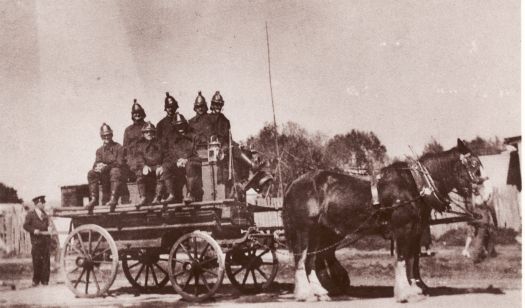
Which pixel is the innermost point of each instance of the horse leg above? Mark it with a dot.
(311, 269)
(332, 275)
(416, 271)
(403, 291)
(302, 290)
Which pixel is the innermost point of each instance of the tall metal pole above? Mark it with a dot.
(281, 189)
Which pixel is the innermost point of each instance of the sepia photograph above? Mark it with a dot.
(260, 153)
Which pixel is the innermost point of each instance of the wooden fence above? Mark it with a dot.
(15, 239)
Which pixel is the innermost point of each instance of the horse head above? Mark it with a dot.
(461, 170)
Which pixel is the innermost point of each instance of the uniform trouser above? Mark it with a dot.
(105, 177)
(148, 179)
(191, 176)
(41, 265)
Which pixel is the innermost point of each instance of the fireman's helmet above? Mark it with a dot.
(170, 102)
(148, 127)
(105, 130)
(200, 101)
(217, 102)
(137, 108)
(180, 123)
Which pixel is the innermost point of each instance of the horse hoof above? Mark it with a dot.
(414, 298)
(323, 297)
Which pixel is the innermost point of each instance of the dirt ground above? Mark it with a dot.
(453, 279)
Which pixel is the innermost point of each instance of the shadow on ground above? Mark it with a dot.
(282, 292)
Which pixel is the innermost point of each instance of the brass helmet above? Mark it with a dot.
(199, 102)
(217, 102)
(105, 130)
(137, 108)
(148, 127)
(170, 102)
(180, 123)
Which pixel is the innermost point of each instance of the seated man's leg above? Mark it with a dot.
(141, 187)
(157, 178)
(179, 180)
(93, 180)
(106, 186)
(128, 175)
(115, 178)
(194, 180)
(167, 177)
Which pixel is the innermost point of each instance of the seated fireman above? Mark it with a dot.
(148, 158)
(181, 162)
(106, 170)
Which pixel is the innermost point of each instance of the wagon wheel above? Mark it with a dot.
(146, 270)
(89, 261)
(196, 266)
(251, 267)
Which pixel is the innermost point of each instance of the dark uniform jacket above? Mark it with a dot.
(163, 127)
(32, 223)
(180, 146)
(221, 127)
(132, 134)
(110, 154)
(149, 152)
(202, 127)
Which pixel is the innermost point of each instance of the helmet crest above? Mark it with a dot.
(170, 102)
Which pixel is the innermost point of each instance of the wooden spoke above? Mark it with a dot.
(96, 281)
(146, 278)
(188, 281)
(87, 280)
(160, 268)
(254, 279)
(81, 244)
(208, 261)
(80, 277)
(89, 242)
(205, 282)
(210, 272)
(204, 250)
(132, 266)
(154, 275)
(245, 277)
(238, 271)
(140, 271)
(98, 243)
(262, 273)
(73, 270)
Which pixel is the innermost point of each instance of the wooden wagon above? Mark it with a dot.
(192, 246)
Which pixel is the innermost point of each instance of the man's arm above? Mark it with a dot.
(28, 223)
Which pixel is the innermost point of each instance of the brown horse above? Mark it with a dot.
(321, 208)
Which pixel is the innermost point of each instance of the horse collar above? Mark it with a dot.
(427, 187)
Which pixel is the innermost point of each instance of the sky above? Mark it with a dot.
(407, 70)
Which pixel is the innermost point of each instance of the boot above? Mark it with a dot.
(114, 196)
(189, 198)
(171, 191)
(93, 193)
(142, 194)
(158, 192)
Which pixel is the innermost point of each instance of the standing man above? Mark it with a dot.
(106, 170)
(201, 124)
(181, 162)
(131, 135)
(149, 157)
(164, 127)
(37, 224)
